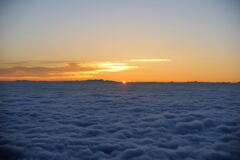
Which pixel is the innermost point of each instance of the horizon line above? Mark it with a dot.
(104, 80)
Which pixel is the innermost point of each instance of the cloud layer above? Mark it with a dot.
(139, 121)
(66, 70)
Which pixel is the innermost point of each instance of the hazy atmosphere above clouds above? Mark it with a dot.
(132, 40)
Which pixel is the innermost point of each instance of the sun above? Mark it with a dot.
(124, 82)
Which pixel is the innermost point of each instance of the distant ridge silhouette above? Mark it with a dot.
(111, 81)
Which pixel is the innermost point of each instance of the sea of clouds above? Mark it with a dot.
(112, 121)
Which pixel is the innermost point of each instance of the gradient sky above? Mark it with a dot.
(132, 40)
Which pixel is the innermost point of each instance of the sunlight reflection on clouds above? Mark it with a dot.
(66, 70)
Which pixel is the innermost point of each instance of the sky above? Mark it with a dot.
(120, 40)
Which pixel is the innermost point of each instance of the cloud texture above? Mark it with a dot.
(65, 70)
(138, 121)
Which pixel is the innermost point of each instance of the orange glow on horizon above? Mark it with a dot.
(124, 82)
(65, 70)
(148, 41)
(133, 70)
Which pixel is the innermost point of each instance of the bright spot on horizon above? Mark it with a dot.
(124, 82)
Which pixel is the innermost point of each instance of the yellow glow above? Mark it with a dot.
(124, 82)
(133, 70)
(114, 67)
(64, 70)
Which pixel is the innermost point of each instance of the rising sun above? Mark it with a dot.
(124, 82)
